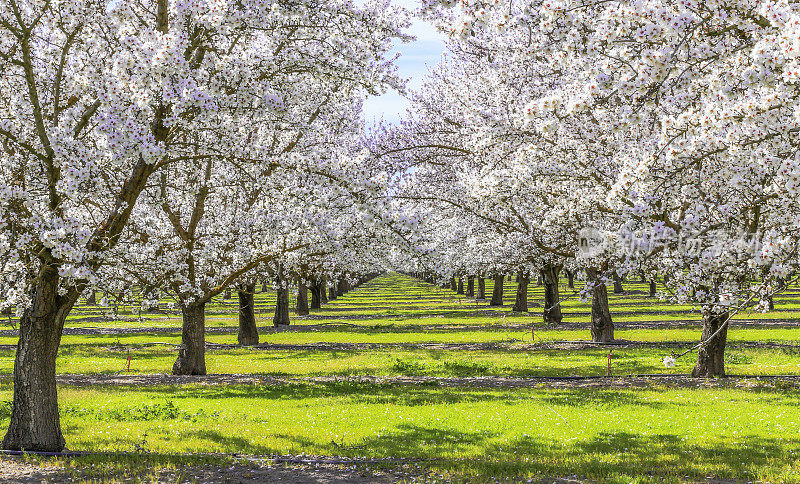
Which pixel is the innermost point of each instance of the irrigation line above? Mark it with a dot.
(731, 314)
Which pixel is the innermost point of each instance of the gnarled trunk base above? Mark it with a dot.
(711, 356)
(248, 332)
(497, 292)
(602, 326)
(192, 353)
(552, 304)
(35, 424)
(316, 297)
(302, 300)
(281, 317)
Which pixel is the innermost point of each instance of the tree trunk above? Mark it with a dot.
(453, 284)
(281, 317)
(617, 283)
(470, 292)
(227, 294)
(302, 299)
(316, 298)
(481, 289)
(711, 357)
(602, 326)
(92, 299)
(552, 305)
(521, 300)
(248, 332)
(497, 293)
(332, 293)
(323, 290)
(342, 287)
(460, 286)
(264, 286)
(192, 353)
(652, 288)
(570, 279)
(35, 423)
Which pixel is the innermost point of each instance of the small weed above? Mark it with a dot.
(409, 368)
(738, 359)
(142, 413)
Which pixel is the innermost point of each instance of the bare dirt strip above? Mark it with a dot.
(789, 382)
(513, 345)
(18, 471)
(336, 326)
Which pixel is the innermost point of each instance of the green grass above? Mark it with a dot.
(608, 435)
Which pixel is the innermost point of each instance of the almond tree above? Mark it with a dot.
(96, 98)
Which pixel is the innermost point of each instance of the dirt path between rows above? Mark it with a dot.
(614, 382)
(17, 471)
(512, 345)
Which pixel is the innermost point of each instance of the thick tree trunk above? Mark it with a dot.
(552, 306)
(92, 299)
(192, 353)
(470, 292)
(481, 289)
(281, 317)
(652, 288)
(35, 423)
(602, 326)
(521, 300)
(302, 299)
(460, 286)
(497, 293)
(711, 356)
(316, 298)
(453, 283)
(618, 289)
(248, 332)
(570, 279)
(332, 293)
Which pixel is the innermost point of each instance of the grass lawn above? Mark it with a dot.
(654, 433)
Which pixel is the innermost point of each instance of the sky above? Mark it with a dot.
(416, 57)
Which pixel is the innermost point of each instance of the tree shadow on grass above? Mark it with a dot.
(355, 392)
(627, 457)
(403, 441)
(602, 398)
